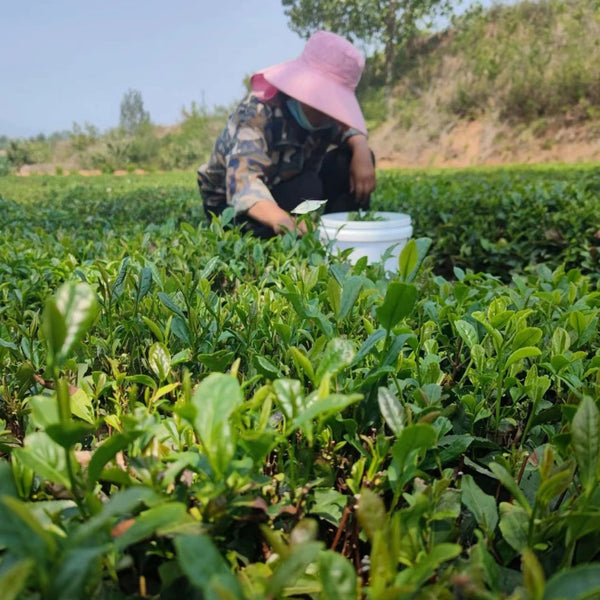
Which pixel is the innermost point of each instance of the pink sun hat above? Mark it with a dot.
(324, 76)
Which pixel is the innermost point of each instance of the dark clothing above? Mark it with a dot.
(331, 183)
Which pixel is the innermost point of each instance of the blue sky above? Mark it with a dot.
(71, 61)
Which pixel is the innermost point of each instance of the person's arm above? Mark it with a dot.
(247, 163)
(362, 169)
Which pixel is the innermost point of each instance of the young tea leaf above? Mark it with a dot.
(14, 578)
(482, 506)
(467, 332)
(408, 259)
(398, 303)
(338, 577)
(392, 410)
(159, 360)
(206, 569)
(67, 318)
(533, 575)
(585, 432)
(579, 583)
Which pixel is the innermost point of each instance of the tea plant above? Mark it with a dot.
(190, 412)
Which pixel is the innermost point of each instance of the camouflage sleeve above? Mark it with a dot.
(248, 159)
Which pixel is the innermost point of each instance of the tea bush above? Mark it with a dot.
(189, 412)
(502, 221)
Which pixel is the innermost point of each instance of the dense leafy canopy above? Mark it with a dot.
(190, 412)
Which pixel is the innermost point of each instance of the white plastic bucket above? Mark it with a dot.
(368, 238)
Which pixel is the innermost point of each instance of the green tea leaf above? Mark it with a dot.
(303, 365)
(467, 332)
(399, 302)
(561, 342)
(334, 295)
(392, 410)
(533, 575)
(266, 368)
(70, 433)
(159, 360)
(507, 480)
(413, 439)
(408, 259)
(521, 353)
(482, 506)
(578, 583)
(292, 567)
(555, 485)
(528, 336)
(371, 513)
(338, 577)
(166, 300)
(145, 283)
(180, 329)
(427, 566)
(514, 525)
(210, 267)
(338, 354)
(82, 407)
(585, 432)
(14, 579)
(117, 287)
(422, 245)
(350, 292)
(45, 457)
(151, 521)
(106, 451)
(67, 318)
(214, 401)
(368, 345)
(290, 396)
(206, 569)
(322, 408)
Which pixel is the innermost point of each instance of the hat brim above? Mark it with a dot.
(296, 79)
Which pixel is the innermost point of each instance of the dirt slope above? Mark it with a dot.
(484, 142)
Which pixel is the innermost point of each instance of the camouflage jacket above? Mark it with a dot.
(261, 145)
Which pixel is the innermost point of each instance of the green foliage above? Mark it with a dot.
(132, 114)
(82, 137)
(530, 60)
(21, 152)
(190, 144)
(363, 20)
(4, 165)
(191, 412)
(500, 221)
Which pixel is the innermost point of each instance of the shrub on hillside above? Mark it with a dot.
(529, 60)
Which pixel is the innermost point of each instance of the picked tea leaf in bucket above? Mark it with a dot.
(308, 206)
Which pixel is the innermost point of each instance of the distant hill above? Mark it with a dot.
(515, 83)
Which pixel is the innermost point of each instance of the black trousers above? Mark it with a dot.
(331, 183)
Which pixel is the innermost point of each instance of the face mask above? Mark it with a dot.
(296, 109)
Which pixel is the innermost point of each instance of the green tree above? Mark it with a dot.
(33, 151)
(82, 137)
(383, 23)
(133, 116)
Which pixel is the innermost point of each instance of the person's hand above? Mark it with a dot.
(269, 213)
(362, 170)
(289, 223)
